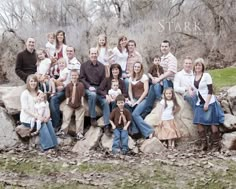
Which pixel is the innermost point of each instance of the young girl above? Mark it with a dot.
(63, 80)
(167, 129)
(43, 67)
(114, 91)
(50, 45)
(155, 70)
(103, 52)
(41, 109)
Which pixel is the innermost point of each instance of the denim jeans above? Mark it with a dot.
(154, 93)
(138, 124)
(54, 105)
(120, 141)
(47, 136)
(92, 99)
(191, 100)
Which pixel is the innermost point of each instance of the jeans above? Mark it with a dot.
(120, 141)
(47, 136)
(138, 124)
(154, 93)
(54, 105)
(191, 100)
(92, 99)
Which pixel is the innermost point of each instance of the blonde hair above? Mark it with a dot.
(199, 61)
(39, 51)
(62, 60)
(105, 45)
(51, 34)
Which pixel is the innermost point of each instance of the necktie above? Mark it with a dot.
(73, 93)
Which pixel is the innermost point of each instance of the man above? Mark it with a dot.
(56, 100)
(183, 80)
(92, 73)
(26, 60)
(133, 57)
(73, 63)
(169, 64)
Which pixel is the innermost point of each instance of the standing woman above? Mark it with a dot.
(120, 54)
(47, 135)
(138, 90)
(59, 53)
(208, 112)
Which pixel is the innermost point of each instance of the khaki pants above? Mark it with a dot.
(79, 119)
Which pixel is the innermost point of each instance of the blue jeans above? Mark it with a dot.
(154, 93)
(191, 100)
(54, 105)
(120, 141)
(92, 99)
(138, 124)
(47, 136)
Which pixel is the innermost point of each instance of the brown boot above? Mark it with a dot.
(215, 142)
(203, 145)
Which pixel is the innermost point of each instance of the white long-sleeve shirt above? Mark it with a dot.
(183, 81)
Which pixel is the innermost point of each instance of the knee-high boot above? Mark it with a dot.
(215, 141)
(203, 144)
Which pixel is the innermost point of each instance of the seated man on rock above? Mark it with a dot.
(92, 73)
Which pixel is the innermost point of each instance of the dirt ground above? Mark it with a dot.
(23, 167)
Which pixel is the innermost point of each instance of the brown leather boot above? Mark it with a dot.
(203, 145)
(215, 142)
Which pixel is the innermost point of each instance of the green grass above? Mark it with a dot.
(223, 78)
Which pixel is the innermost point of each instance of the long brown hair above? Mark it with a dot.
(140, 74)
(44, 52)
(98, 45)
(64, 38)
(119, 40)
(176, 106)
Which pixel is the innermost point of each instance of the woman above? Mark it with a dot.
(138, 90)
(105, 86)
(208, 112)
(61, 45)
(120, 54)
(47, 135)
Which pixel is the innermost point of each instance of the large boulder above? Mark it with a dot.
(8, 136)
(152, 145)
(10, 45)
(230, 122)
(92, 137)
(229, 141)
(184, 118)
(232, 98)
(11, 99)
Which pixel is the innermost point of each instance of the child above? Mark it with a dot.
(62, 81)
(155, 70)
(114, 91)
(74, 103)
(50, 45)
(167, 129)
(41, 109)
(43, 67)
(103, 53)
(120, 120)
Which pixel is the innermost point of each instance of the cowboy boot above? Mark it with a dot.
(215, 142)
(203, 145)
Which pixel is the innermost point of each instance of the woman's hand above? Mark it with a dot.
(205, 107)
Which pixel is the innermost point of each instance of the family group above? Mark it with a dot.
(115, 80)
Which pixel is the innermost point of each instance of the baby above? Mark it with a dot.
(114, 91)
(41, 109)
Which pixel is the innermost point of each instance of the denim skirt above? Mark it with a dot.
(213, 116)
